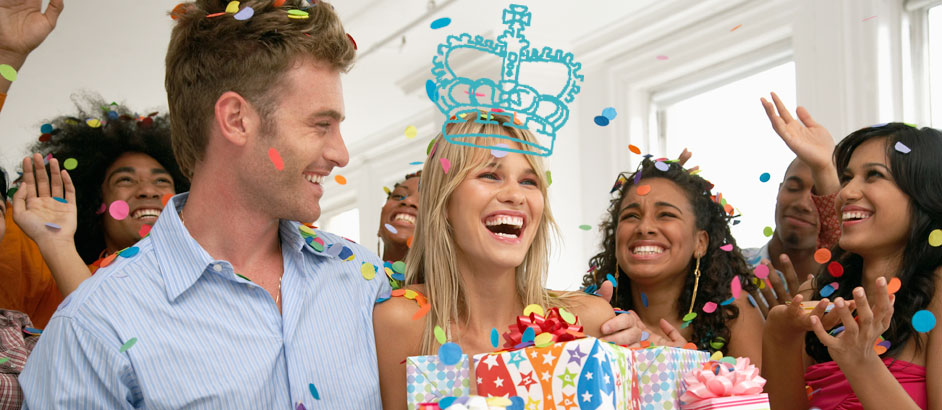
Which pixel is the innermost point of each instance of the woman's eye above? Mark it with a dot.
(399, 197)
(489, 175)
(667, 215)
(530, 182)
(874, 174)
(629, 216)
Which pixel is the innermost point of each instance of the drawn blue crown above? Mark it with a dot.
(543, 112)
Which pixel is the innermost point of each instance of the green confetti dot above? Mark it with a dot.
(718, 343)
(767, 231)
(549, 178)
(399, 267)
(128, 345)
(585, 227)
(4, 360)
(440, 335)
(70, 164)
(8, 72)
(690, 316)
(243, 277)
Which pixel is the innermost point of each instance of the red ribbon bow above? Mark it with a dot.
(553, 324)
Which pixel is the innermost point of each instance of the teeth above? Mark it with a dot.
(141, 213)
(515, 221)
(316, 179)
(853, 215)
(404, 217)
(506, 235)
(647, 250)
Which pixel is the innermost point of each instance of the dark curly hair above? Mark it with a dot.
(417, 174)
(717, 267)
(918, 174)
(96, 148)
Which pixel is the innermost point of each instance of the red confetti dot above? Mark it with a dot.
(278, 3)
(352, 41)
(835, 269)
(209, 16)
(166, 198)
(276, 159)
(178, 11)
(145, 229)
(45, 137)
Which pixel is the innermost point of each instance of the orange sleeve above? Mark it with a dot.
(28, 285)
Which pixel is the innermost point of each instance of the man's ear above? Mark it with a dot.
(236, 118)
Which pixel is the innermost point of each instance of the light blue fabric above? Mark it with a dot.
(207, 338)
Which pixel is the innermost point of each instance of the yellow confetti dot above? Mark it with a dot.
(543, 339)
(386, 190)
(93, 122)
(410, 294)
(307, 230)
(232, 7)
(534, 308)
(716, 356)
(368, 271)
(70, 164)
(767, 231)
(935, 238)
(411, 132)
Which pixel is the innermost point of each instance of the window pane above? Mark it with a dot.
(935, 65)
(346, 224)
(732, 142)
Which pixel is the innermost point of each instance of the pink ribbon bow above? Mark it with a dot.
(720, 379)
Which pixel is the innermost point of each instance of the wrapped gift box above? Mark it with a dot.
(659, 375)
(751, 402)
(429, 380)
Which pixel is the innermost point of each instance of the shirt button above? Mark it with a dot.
(217, 267)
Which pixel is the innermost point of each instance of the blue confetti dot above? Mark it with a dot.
(130, 252)
(244, 14)
(826, 291)
(495, 337)
(416, 163)
(612, 279)
(590, 289)
(398, 276)
(46, 128)
(609, 113)
(528, 335)
(644, 299)
(727, 301)
(446, 402)
(601, 120)
(923, 321)
(449, 353)
(314, 391)
(765, 177)
(60, 199)
(440, 23)
(645, 335)
(432, 90)
(662, 166)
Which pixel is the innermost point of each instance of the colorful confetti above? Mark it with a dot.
(93, 122)
(585, 227)
(70, 164)
(609, 113)
(549, 178)
(439, 335)
(53, 227)
(644, 299)
(634, 149)
(450, 353)
(500, 153)
(761, 271)
(245, 14)
(431, 90)
(411, 132)
(822, 255)
(601, 120)
(709, 307)
(232, 7)
(340, 179)
(127, 345)
(902, 148)
(735, 28)
(313, 391)
(118, 210)
(129, 252)
(533, 308)
(58, 199)
(893, 286)
(163, 200)
(495, 337)
(935, 238)
(767, 231)
(728, 247)
(446, 164)
(827, 290)
(662, 57)
(690, 316)
(736, 286)
(923, 321)
(368, 270)
(145, 230)
(662, 166)
(275, 158)
(765, 177)
(643, 190)
(835, 269)
(7, 71)
(440, 23)
(567, 316)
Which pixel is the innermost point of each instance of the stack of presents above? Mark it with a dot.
(578, 372)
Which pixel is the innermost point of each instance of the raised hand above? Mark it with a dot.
(23, 25)
(855, 344)
(37, 211)
(780, 287)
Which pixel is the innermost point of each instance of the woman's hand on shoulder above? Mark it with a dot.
(592, 311)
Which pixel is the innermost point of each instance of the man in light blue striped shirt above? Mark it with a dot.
(228, 304)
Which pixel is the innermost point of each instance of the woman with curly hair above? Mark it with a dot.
(119, 158)
(885, 352)
(667, 243)
(399, 212)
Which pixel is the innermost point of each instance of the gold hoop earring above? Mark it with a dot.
(696, 284)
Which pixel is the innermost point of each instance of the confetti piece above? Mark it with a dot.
(718, 344)
(902, 148)
(585, 227)
(709, 307)
(735, 28)
(765, 177)
(767, 231)
(45, 128)
(70, 164)
(690, 346)
(495, 337)
(53, 227)
(353, 41)
(45, 138)
(163, 200)
(129, 252)
(399, 267)
(313, 391)
(543, 339)
(549, 178)
(368, 270)
(445, 402)
(528, 335)
(107, 261)
(634, 149)
(297, 14)
(422, 311)
(534, 308)
(637, 178)
(690, 316)
(127, 345)
(645, 336)
(609, 113)
(60, 200)
(736, 286)
(716, 356)
(567, 316)
(178, 11)
(4, 360)
(935, 238)
(869, 18)
(893, 286)
(243, 277)
(93, 122)
(275, 158)
(145, 230)
(450, 354)
(835, 269)
(8, 72)
(232, 7)
(209, 16)
(340, 179)
(662, 166)
(440, 335)
(440, 23)
(431, 90)
(644, 299)
(118, 210)
(822, 255)
(601, 120)
(411, 132)
(643, 190)
(662, 57)
(761, 271)
(446, 164)
(826, 291)
(728, 247)
(923, 321)
(245, 14)
(500, 153)
(612, 279)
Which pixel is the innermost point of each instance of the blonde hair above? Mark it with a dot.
(432, 259)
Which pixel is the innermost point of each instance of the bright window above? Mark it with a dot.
(729, 135)
(346, 224)
(935, 65)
